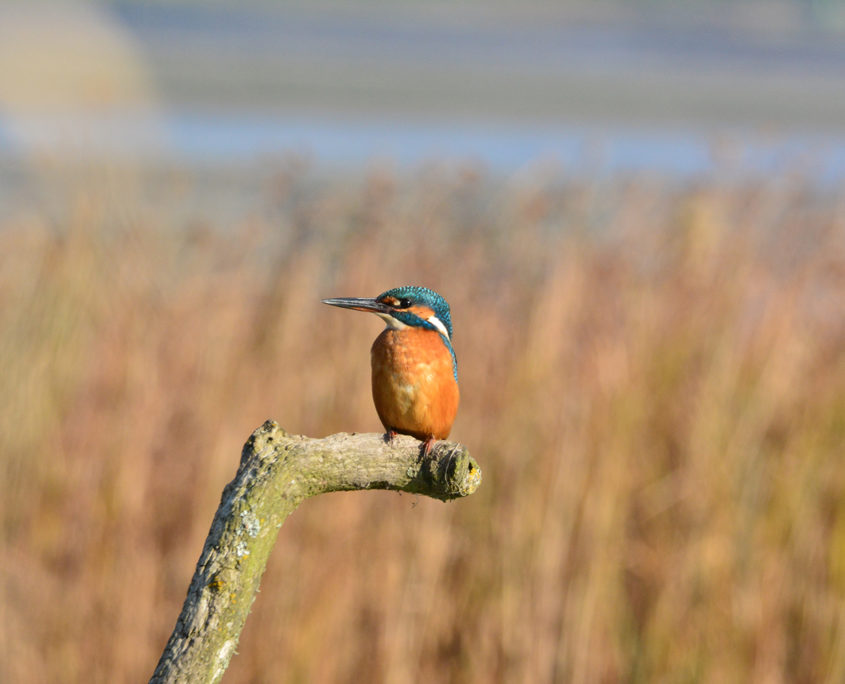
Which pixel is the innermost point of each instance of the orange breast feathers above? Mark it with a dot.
(414, 386)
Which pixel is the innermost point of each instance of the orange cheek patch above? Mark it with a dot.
(423, 312)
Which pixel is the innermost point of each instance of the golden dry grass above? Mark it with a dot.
(653, 379)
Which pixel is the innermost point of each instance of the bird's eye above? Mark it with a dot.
(403, 303)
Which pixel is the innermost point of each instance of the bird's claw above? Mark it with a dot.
(427, 446)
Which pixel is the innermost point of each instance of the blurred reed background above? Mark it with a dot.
(652, 367)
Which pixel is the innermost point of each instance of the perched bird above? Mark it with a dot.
(415, 372)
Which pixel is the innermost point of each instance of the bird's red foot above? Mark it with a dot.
(389, 435)
(427, 446)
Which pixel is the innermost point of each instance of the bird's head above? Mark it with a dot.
(408, 306)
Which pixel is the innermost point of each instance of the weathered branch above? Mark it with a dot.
(277, 472)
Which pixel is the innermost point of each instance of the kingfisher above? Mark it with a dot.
(414, 368)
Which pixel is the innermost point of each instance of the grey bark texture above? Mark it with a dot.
(277, 472)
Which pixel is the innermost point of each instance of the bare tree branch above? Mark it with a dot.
(277, 472)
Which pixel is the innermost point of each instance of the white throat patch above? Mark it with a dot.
(391, 322)
(396, 324)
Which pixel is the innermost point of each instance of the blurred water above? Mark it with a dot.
(594, 93)
(344, 143)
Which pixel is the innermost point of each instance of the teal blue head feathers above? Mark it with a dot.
(409, 302)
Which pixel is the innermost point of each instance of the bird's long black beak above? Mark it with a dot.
(359, 304)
